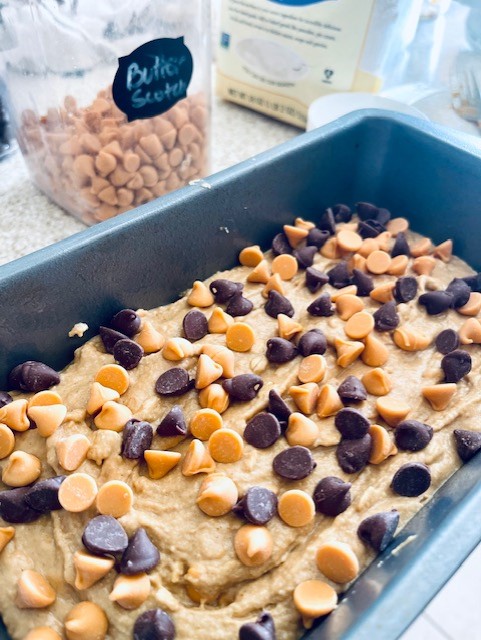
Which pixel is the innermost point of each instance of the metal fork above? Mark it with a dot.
(466, 86)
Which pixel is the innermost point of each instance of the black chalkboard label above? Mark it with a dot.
(153, 78)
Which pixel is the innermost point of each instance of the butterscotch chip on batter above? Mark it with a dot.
(444, 251)
(197, 460)
(6, 535)
(377, 382)
(219, 321)
(214, 397)
(472, 306)
(381, 444)
(287, 327)
(422, 247)
(328, 402)
(99, 395)
(77, 492)
(285, 265)
(304, 224)
(176, 349)
(14, 415)
(305, 396)
(86, 621)
(251, 256)
(384, 240)
(260, 274)
(397, 225)
(424, 265)
(114, 498)
(470, 332)
(347, 351)
(44, 399)
(301, 430)
(115, 377)
(378, 262)
(398, 265)
(72, 451)
(240, 337)
(113, 416)
(349, 240)
(42, 633)
(47, 418)
(337, 561)
(207, 372)
(149, 338)
(217, 495)
(89, 569)
(347, 305)
(375, 353)
(439, 395)
(200, 295)
(21, 469)
(359, 325)
(409, 339)
(273, 284)
(253, 545)
(358, 262)
(312, 368)
(350, 290)
(295, 235)
(296, 508)
(330, 249)
(204, 422)
(368, 246)
(7, 441)
(226, 446)
(130, 592)
(391, 410)
(159, 463)
(223, 356)
(313, 598)
(383, 292)
(33, 591)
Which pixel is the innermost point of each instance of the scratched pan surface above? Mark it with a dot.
(151, 255)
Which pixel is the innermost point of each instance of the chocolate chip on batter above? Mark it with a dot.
(126, 322)
(315, 279)
(305, 256)
(280, 350)
(258, 506)
(363, 282)
(110, 338)
(327, 222)
(321, 306)
(370, 228)
(474, 282)
(386, 317)
(401, 246)
(332, 496)
(280, 244)
(278, 407)
(276, 304)
(141, 555)
(262, 431)
(14, 508)
(351, 424)
(105, 536)
(173, 382)
(244, 387)
(366, 210)
(317, 238)
(353, 455)
(460, 292)
(378, 530)
(405, 289)
(154, 624)
(412, 435)
(128, 353)
(313, 341)
(342, 213)
(294, 463)
(136, 439)
(436, 302)
(223, 289)
(456, 365)
(43, 495)
(468, 443)
(411, 480)
(5, 398)
(33, 376)
(339, 275)
(383, 216)
(238, 305)
(262, 629)
(352, 390)
(195, 325)
(173, 424)
(447, 341)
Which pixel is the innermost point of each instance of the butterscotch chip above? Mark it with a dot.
(14, 415)
(113, 376)
(313, 598)
(86, 621)
(208, 371)
(348, 240)
(42, 633)
(330, 249)
(359, 325)
(200, 296)
(90, 569)
(21, 469)
(350, 290)
(253, 545)
(159, 463)
(391, 410)
(444, 251)
(274, 283)
(347, 351)
(197, 460)
(219, 321)
(176, 349)
(305, 396)
(6, 535)
(470, 332)
(472, 306)
(304, 224)
(287, 327)
(328, 402)
(397, 225)
(130, 592)
(358, 262)
(375, 353)
(409, 339)
(226, 446)
(260, 274)
(384, 240)
(47, 418)
(301, 430)
(99, 395)
(204, 422)
(223, 356)
(377, 382)
(285, 266)
(114, 498)
(72, 451)
(44, 399)
(383, 292)
(312, 368)
(398, 265)
(347, 305)
(240, 337)
(7, 441)
(113, 416)
(424, 265)
(439, 395)
(296, 508)
(295, 235)
(251, 256)
(381, 444)
(214, 397)
(378, 262)
(33, 591)
(368, 246)
(337, 561)
(77, 492)
(217, 495)
(421, 248)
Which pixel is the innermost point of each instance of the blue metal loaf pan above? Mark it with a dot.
(151, 255)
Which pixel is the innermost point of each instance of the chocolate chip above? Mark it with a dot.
(366, 210)
(313, 341)
(474, 282)
(370, 228)
(244, 387)
(126, 322)
(317, 238)
(110, 338)
(315, 279)
(351, 423)
(353, 455)
(105, 536)
(281, 245)
(447, 341)
(262, 431)
(363, 282)
(321, 306)
(5, 398)
(43, 496)
(141, 555)
(412, 435)
(128, 353)
(332, 496)
(14, 508)
(305, 256)
(258, 506)
(280, 350)
(195, 325)
(33, 376)
(327, 222)
(238, 305)
(401, 246)
(383, 216)
(378, 530)
(456, 365)
(223, 289)
(278, 407)
(136, 439)
(173, 424)
(411, 480)
(276, 304)
(342, 213)
(405, 289)
(468, 443)
(460, 292)
(154, 624)
(339, 275)
(386, 317)
(436, 301)
(294, 463)
(352, 390)
(262, 629)
(173, 382)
